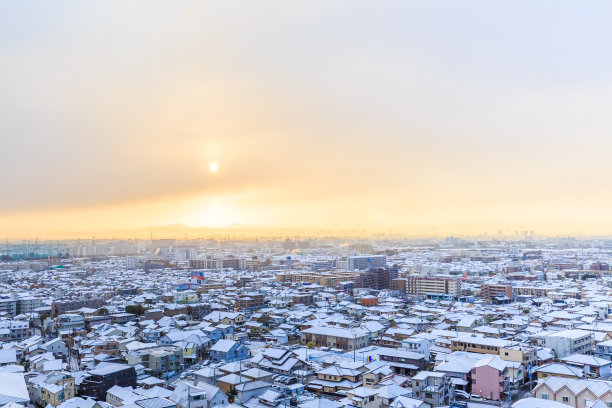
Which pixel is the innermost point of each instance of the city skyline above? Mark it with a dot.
(423, 118)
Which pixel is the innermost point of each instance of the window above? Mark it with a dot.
(371, 398)
(544, 396)
(565, 399)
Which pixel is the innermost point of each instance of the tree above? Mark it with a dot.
(265, 320)
(310, 344)
(138, 310)
(231, 395)
(254, 333)
(102, 311)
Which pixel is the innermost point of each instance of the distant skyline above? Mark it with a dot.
(424, 118)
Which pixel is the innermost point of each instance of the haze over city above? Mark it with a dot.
(305, 204)
(420, 118)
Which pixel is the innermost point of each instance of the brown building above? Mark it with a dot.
(489, 291)
(399, 285)
(369, 301)
(304, 299)
(376, 278)
(206, 287)
(251, 300)
(174, 309)
(330, 280)
(198, 310)
(110, 347)
(64, 306)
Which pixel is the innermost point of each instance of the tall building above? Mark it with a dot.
(379, 278)
(365, 262)
(431, 285)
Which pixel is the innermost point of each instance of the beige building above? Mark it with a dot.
(433, 285)
(574, 392)
(335, 337)
(53, 389)
(159, 360)
(525, 355)
(476, 344)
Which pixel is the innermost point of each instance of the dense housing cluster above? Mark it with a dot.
(313, 323)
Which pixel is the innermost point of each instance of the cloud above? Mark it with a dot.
(403, 115)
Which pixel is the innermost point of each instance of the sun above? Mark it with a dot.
(213, 167)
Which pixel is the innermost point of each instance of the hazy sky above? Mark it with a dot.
(422, 117)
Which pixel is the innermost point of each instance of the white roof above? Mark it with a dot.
(223, 345)
(532, 402)
(493, 362)
(13, 388)
(583, 359)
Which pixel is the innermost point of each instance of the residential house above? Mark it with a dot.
(592, 366)
(336, 337)
(435, 388)
(574, 392)
(160, 360)
(489, 378)
(105, 376)
(558, 370)
(403, 361)
(228, 350)
(52, 389)
(332, 379)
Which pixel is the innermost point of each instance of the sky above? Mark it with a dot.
(424, 118)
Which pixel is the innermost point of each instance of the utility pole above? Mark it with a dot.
(188, 396)
(354, 345)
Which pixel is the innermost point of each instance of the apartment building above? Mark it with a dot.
(63, 306)
(14, 330)
(477, 344)
(330, 280)
(251, 300)
(302, 299)
(489, 291)
(533, 291)
(8, 306)
(567, 342)
(365, 262)
(429, 285)
(379, 278)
